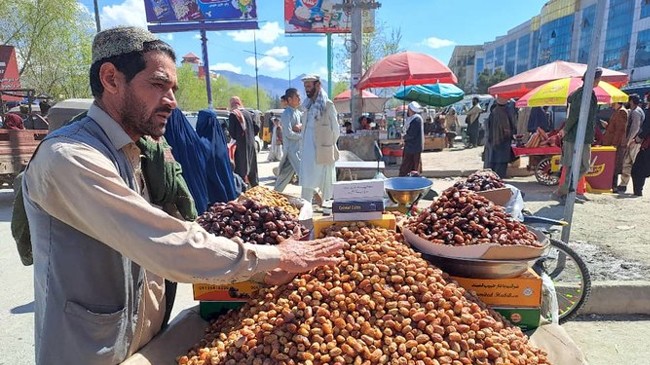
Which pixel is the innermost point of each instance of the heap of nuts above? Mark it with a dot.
(251, 222)
(480, 181)
(462, 217)
(383, 304)
(271, 198)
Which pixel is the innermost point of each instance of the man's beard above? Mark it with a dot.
(311, 93)
(134, 117)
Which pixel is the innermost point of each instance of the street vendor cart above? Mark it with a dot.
(544, 161)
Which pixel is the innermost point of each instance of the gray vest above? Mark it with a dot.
(86, 293)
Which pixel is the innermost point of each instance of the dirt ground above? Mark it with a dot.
(609, 231)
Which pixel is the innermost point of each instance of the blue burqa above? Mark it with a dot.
(203, 155)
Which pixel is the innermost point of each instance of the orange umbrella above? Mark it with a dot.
(406, 68)
(347, 94)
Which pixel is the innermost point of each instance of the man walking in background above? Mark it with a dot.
(413, 140)
(635, 119)
(319, 152)
(570, 132)
(472, 123)
(291, 137)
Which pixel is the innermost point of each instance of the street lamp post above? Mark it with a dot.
(257, 83)
(289, 66)
(97, 24)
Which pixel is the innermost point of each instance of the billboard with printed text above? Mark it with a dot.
(321, 16)
(175, 11)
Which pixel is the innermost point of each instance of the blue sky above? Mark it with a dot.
(428, 26)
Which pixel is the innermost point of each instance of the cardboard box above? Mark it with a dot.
(357, 216)
(237, 292)
(524, 318)
(355, 206)
(434, 143)
(210, 310)
(497, 196)
(372, 189)
(387, 221)
(522, 291)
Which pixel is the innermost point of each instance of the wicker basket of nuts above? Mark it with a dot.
(462, 224)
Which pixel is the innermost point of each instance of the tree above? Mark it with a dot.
(379, 43)
(487, 79)
(191, 95)
(53, 44)
(339, 87)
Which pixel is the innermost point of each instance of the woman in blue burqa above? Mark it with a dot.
(203, 155)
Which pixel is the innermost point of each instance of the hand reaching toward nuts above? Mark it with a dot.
(302, 256)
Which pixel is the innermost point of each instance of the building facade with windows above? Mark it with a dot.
(563, 31)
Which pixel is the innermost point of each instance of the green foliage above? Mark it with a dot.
(192, 96)
(339, 87)
(381, 42)
(487, 79)
(53, 44)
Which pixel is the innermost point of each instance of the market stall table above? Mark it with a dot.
(188, 328)
(541, 162)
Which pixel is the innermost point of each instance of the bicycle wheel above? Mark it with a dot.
(543, 173)
(570, 276)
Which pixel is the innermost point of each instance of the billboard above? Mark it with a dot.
(321, 16)
(174, 11)
(9, 75)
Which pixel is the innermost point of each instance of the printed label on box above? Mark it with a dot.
(237, 292)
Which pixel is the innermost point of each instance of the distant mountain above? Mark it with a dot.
(272, 85)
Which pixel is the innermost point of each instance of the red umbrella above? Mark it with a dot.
(521, 84)
(406, 68)
(347, 94)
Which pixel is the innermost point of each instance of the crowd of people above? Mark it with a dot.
(25, 118)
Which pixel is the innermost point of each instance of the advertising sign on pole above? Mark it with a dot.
(174, 11)
(321, 16)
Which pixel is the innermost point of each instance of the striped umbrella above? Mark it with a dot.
(556, 93)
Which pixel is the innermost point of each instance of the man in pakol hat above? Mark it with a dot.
(318, 152)
(570, 131)
(413, 140)
(100, 249)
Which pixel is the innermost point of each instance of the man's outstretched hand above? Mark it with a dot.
(301, 256)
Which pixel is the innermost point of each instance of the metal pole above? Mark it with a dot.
(356, 60)
(289, 64)
(206, 67)
(97, 23)
(329, 65)
(257, 84)
(588, 85)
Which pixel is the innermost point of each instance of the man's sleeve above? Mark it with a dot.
(287, 120)
(82, 188)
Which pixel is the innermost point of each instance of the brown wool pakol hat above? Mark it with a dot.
(118, 41)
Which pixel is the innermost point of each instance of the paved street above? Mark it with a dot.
(605, 341)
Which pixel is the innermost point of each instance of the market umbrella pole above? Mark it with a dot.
(582, 120)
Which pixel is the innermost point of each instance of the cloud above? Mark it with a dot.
(337, 41)
(278, 51)
(166, 36)
(435, 43)
(268, 33)
(197, 36)
(226, 67)
(129, 12)
(267, 63)
(322, 42)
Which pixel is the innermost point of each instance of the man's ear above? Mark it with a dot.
(110, 78)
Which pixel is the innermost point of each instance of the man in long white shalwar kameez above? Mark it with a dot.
(320, 131)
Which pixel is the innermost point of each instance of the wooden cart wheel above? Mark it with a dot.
(543, 173)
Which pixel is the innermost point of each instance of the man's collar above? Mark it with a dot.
(113, 130)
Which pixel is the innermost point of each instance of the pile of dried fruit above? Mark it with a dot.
(251, 221)
(462, 217)
(480, 181)
(271, 198)
(383, 304)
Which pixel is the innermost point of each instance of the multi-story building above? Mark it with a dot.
(563, 31)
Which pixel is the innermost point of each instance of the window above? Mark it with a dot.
(498, 57)
(511, 55)
(642, 55)
(645, 9)
(555, 40)
(586, 32)
(523, 44)
(618, 35)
